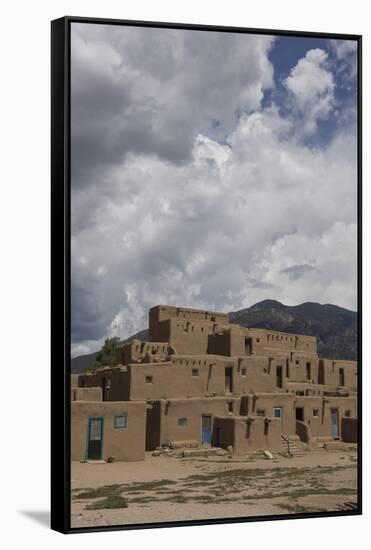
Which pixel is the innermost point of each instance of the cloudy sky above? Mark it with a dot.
(209, 170)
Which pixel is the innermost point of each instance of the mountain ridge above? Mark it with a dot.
(335, 327)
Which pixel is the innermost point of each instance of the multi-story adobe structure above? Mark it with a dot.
(201, 379)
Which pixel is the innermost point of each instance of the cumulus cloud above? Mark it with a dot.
(244, 212)
(311, 87)
(151, 91)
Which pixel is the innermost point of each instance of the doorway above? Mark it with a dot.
(248, 346)
(218, 438)
(95, 439)
(299, 413)
(206, 429)
(334, 423)
(279, 377)
(308, 371)
(341, 377)
(229, 379)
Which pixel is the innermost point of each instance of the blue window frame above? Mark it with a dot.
(121, 421)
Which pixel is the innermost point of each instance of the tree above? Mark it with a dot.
(106, 357)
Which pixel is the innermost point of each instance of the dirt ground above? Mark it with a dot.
(166, 488)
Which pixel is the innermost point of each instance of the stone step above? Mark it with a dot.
(294, 448)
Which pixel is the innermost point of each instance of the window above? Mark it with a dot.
(182, 422)
(315, 412)
(347, 413)
(243, 371)
(297, 362)
(148, 379)
(230, 406)
(257, 340)
(194, 372)
(121, 421)
(260, 412)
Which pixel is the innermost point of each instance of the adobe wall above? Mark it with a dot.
(74, 380)
(320, 426)
(161, 313)
(303, 368)
(137, 351)
(187, 337)
(86, 394)
(241, 341)
(176, 378)
(268, 341)
(184, 376)
(262, 404)
(260, 375)
(349, 430)
(329, 372)
(249, 434)
(115, 383)
(223, 432)
(122, 443)
(192, 410)
(204, 375)
(350, 372)
(184, 336)
(306, 388)
(219, 343)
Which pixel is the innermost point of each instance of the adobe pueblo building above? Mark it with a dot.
(202, 381)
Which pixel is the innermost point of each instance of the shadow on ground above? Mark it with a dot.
(42, 517)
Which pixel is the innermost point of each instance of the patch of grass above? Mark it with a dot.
(105, 491)
(228, 475)
(108, 503)
(149, 485)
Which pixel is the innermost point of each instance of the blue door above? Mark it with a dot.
(206, 429)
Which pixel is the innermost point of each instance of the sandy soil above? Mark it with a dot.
(163, 488)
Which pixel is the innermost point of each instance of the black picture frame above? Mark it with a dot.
(61, 270)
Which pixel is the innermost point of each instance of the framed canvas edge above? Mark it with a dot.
(61, 272)
(60, 281)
